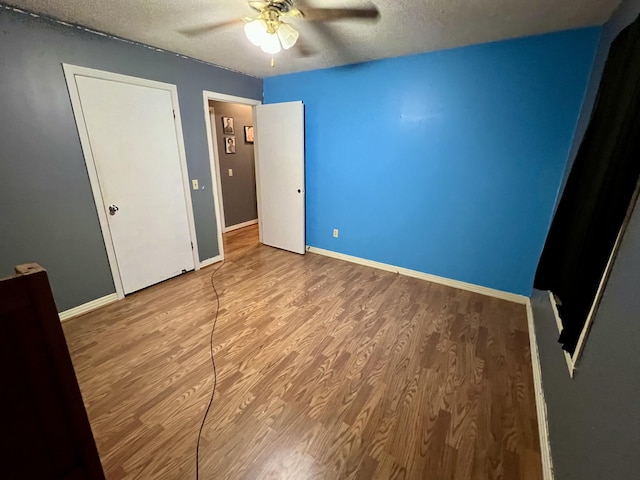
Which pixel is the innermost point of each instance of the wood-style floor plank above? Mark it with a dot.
(326, 370)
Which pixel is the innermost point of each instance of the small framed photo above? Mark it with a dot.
(227, 126)
(248, 134)
(230, 144)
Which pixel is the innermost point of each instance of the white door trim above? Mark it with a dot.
(216, 183)
(213, 131)
(70, 71)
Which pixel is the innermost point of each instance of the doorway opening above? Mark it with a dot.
(278, 163)
(232, 131)
(230, 126)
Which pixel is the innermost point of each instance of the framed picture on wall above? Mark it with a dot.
(230, 144)
(248, 134)
(227, 125)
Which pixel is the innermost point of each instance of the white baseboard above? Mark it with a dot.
(512, 297)
(106, 300)
(240, 225)
(541, 404)
(211, 261)
(87, 307)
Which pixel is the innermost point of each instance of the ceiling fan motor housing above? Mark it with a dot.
(283, 6)
(272, 19)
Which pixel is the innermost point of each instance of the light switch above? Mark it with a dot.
(231, 172)
(194, 183)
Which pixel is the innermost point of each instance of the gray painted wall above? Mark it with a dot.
(239, 191)
(47, 213)
(594, 419)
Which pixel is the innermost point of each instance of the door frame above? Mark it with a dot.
(70, 72)
(214, 161)
(213, 131)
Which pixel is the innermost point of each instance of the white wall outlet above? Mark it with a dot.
(194, 183)
(335, 233)
(231, 172)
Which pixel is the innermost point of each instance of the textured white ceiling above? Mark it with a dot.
(404, 27)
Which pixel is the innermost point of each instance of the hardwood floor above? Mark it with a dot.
(326, 370)
(239, 242)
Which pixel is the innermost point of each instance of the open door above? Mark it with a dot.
(280, 175)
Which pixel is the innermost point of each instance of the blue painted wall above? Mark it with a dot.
(449, 162)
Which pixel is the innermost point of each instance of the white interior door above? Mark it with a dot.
(280, 175)
(134, 145)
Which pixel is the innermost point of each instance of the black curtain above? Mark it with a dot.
(598, 191)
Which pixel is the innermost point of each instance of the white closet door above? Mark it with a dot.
(133, 140)
(280, 169)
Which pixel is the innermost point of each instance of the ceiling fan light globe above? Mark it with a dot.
(288, 36)
(256, 32)
(271, 45)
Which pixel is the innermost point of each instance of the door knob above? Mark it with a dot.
(113, 209)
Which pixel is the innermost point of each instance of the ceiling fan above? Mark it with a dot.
(268, 30)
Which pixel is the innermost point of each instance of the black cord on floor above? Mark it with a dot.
(215, 374)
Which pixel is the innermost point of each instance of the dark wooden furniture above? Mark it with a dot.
(45, 429)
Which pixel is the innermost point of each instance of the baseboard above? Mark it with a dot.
(556, 314)
(240, 225)
(541, 404)
(211, 261)
(512, 297)
(87, 307)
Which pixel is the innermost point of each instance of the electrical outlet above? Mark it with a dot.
(335, 233)
(194, 183)
(231, 172)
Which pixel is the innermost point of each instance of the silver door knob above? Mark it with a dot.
(113, 209)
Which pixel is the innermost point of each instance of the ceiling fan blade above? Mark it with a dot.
(331, 14)
(258, 6)
(302, 49)
(192, 31)
(333, 42)
(292, 12)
